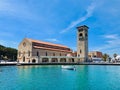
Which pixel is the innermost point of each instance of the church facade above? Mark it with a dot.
(35, 51)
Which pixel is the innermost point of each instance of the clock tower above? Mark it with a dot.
(82, 42)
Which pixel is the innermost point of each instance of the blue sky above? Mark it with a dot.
(56, 21)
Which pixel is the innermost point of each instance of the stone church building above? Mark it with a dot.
(35, 51)
(31, 50)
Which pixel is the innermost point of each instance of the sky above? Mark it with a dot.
(56, 21)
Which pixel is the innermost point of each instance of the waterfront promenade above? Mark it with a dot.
(82, 63)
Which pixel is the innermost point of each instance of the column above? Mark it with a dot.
(50, 60)
(58, 60)
(67, 60)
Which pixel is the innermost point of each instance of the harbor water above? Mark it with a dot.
(52, 77)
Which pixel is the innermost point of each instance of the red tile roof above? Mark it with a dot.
(53, 49)
(47, 43)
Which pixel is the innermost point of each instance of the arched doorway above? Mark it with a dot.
(63, 60)
(73, 60)
(33, 61)
(54, 60)
(45, 60)
(28, 61)
(24, 59)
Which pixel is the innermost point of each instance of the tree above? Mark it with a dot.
(115, 55)
(105, 57)
(7, 53)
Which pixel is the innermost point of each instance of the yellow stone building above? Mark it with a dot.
(30, 50)
(35, 51)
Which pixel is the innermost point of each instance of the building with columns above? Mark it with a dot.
(30, 50)
(95, 54)
(35, 51)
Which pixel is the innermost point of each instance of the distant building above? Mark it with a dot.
(118, 57)
(95, 54)
(115, 59)
(74, 54)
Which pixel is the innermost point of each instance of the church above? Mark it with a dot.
(36, 51)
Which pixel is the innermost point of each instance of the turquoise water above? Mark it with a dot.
(55, 78)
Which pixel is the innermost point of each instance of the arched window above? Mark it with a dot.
(28, 53)
(80, 34)
(19, 53)
(46, 53)
(33, 61)
(23, 59)
(37, 53)
(80, 51)
(86, 34)
(53, 54)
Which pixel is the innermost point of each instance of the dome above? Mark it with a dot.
(118, 57)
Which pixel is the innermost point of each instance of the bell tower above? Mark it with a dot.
(82, 42)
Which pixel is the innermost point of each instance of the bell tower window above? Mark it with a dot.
(80, 35)
(80, 51)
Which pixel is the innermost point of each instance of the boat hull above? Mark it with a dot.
(69, 67)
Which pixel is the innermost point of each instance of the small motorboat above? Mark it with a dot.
(18, 64)
(68, 67)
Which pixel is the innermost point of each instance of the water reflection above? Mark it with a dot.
(82, 77)
(53, 77)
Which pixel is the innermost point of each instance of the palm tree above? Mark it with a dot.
(105, 57)
(115, 55)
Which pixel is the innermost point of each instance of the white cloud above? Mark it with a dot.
(52, 40)
(112, 44)
(18, 10)
(89, 11)
(111, 36)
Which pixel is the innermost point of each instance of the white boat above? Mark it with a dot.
(18, 64)
(69, 67)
